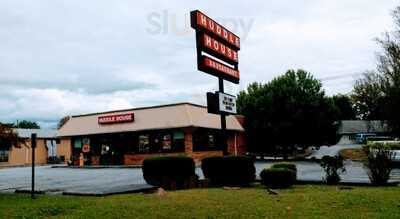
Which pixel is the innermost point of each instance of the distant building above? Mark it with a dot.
(47, 146)
(348, 129)
(127, 137)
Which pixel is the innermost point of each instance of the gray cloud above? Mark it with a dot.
(71, 57)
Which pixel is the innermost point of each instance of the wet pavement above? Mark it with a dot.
(58, 180)
(331, 150)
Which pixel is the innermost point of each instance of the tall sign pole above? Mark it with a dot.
(33, 146)
(223, 120)
(217, 54)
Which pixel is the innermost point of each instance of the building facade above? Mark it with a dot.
(127, 137)
(47, 146)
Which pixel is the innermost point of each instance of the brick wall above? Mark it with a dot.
(137, 159)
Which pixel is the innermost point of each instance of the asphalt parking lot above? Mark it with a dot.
(58, 180)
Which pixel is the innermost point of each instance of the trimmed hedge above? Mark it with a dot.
(278, 177)
(285, 165)
(229, 170)
(170, 172)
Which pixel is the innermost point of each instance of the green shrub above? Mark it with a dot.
(332, 166)
(170, 172)
(286, 165)
(388, 145)
(229, 170)
(278, 177)
(379, 165)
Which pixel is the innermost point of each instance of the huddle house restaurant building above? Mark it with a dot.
(127, 137)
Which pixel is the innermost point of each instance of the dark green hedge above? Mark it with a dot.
(169, 172)
(278, 177)
(228, 170)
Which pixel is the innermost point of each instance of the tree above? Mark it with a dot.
(8, 137)
(389, 69)
(369, 97)
(25, 124)
(344, 106)
(289, 111)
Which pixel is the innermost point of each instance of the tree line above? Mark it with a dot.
(293, 110)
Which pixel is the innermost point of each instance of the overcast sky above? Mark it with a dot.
(60, 58)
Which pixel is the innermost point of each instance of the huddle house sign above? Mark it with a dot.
(120, 118)
(220, 45)
(217, 55)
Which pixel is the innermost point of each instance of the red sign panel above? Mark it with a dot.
(200, 20)
(120, 118)
(220, 49)
(218, 69)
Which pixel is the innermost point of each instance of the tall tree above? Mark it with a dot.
(345, 108)
(290, 110)
(369, 97)
(389, 69)
(8, 137)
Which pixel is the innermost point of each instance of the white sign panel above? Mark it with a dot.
(227, 103)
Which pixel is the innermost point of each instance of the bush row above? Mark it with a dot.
(170, 172)
(179, 172)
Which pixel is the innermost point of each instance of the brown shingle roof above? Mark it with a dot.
(149, 118)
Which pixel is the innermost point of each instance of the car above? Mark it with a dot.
(362, 137)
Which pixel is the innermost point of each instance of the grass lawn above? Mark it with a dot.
(309, 201)
(353, 154)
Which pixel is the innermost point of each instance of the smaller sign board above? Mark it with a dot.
(227, 103)
(119, 118)
(221, 102)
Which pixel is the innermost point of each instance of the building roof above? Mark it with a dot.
(362, 126)
(149, 118)
(41, 133)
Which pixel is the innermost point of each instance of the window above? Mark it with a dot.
(166, 142)
(144, 143)
(206, 140)
(3, 155)
(4, 150)
(78, 143)
(178, 141)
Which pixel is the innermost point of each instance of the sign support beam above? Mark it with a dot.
(223, 120)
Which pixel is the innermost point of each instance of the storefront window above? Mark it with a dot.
(78, 142)
(144, 143)
(4, 150)
(4, 155)
(166, 142)
(179, 141)
(206, 140)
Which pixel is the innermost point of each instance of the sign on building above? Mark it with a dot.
(120, 118)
